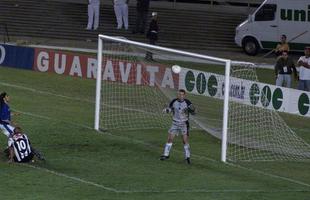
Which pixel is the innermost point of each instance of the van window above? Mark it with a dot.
(266, 13)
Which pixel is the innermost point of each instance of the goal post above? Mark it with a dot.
(225, 111)
(143, 45)
(98, 83)
(135, 82)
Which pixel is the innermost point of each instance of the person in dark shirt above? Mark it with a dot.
(283, 70)
(142, 12)
(152, 34)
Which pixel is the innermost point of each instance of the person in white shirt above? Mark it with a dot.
(304, 71)
(93, 14)
(121, 13)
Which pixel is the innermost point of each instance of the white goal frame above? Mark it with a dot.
(139, 44)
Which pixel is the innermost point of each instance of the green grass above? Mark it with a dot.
(57, 114)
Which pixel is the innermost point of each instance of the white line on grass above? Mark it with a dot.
(210, 191)
(44, 92)
(271, 175)
(144, 143)
(138, 141)
(110, 189)
(49, 118)
(194, 155)
(71, 98)
(71, 177)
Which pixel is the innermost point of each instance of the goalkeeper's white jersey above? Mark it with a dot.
(180, 110)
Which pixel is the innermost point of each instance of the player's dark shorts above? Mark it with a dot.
(26, 159)
(179, 128)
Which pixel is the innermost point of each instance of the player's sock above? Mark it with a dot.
(187, 152)
(167, 149)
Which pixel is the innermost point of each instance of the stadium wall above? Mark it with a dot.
(84, 65)
(17, 57)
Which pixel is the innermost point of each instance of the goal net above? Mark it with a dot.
(135, 83)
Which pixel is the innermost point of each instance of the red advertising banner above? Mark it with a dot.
(85, 66)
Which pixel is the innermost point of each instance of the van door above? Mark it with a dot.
(266, 25)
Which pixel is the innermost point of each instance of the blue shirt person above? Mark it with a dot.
(5, 115)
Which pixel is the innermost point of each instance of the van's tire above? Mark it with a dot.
(250, 46)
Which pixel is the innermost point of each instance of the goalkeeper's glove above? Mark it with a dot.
(185, 111)
(167, 110)
(191, 109)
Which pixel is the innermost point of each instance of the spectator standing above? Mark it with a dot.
(121, 13)
(152, 34)
(282, 46)
(142, 12)
(93, 14)
(283, 69)
(304, 71)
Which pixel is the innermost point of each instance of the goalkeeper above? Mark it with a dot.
(180, 107)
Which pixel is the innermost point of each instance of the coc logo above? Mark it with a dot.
(266, 97)
(201, 83)
(303, 104)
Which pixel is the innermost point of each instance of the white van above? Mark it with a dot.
(263, 29)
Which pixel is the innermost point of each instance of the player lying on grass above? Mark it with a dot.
(20, 149)
(180, 107)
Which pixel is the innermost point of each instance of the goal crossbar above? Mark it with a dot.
(227, 63)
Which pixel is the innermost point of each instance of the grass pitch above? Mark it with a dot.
(57, 114)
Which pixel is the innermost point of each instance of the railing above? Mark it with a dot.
(247, 3)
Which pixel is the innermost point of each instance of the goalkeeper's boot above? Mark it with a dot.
(188, 160)
(163, 157)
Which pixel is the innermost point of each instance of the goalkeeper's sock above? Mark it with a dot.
(167, 149)
(187, 152)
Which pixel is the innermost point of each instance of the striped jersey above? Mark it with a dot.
(21, 146)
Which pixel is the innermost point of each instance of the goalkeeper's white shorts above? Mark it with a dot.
(179, 128)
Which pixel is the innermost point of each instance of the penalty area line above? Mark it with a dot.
(44, 92)
(49, 118)
(270, 175)
(194, 155)
(72, 178)
(110, 189)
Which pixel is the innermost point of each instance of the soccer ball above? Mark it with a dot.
(176, 69)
